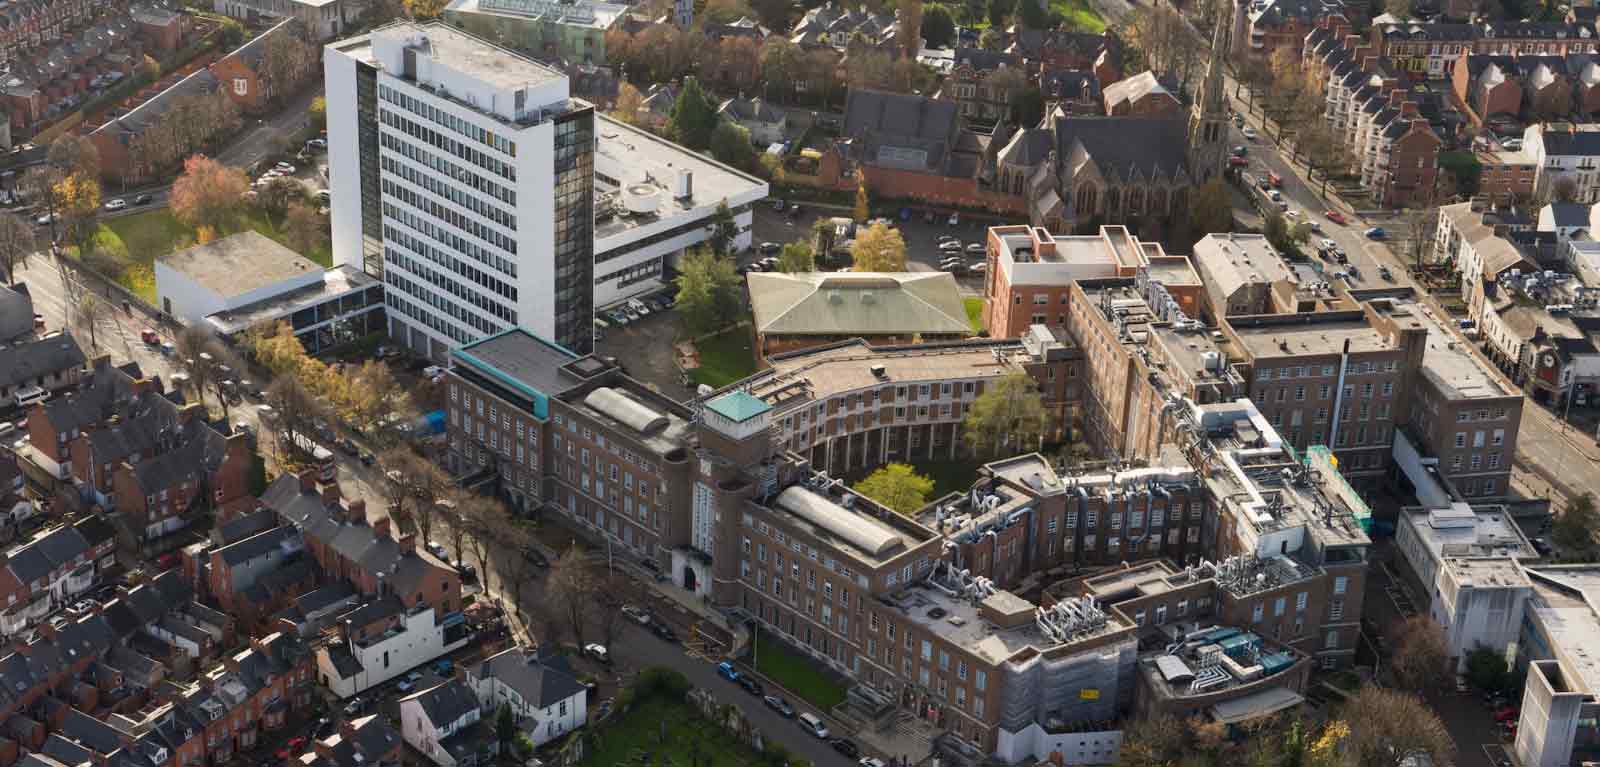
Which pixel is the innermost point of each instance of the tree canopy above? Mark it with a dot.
(694, 116)
(897, 486)
(730, 144)
(796, 258)
(878, 248)
(938, 27)
(1574, 527)
(708, 291)
(208, 193)
(1009, 414)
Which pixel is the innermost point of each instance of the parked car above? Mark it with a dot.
(354, 706)
(871, 761)
(750, 685)
(846, 747)
(1335, 216)
(598, 652)
(727, 671)
(432, 371)
(349, 447)
(955, 220)
(953, 246)
(1375, 233)
(1238, 162)
(116, 204)
(1241, 150)
(285, 168)
(943, 238)
(437, 549)
(1249, 132)
(770, 247)
(770, 263)
(143, 199)
(537, 559)
(810, 723)
(777, 205)
(149, 336)
(1383, 271)
(468, 572)
(1275, 195)
(975, 249)
(663, 632)
(367, 458)
(779, 705)
(45, 219)
(636, 614)
(319, 143)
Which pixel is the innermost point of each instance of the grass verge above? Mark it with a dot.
(690, 739)
(1079, 15)
(126, 247)
(797, 673)
(724, 358)
(974, 307)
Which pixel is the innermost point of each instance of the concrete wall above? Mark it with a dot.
(1550, 709)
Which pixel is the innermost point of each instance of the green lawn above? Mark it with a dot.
(974, 308)
(724, 358)
(949, 476)
(798, 673)
(146, 236)
(690, 739)
(1079, 16)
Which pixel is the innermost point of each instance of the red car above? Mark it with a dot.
(149, 336)
(1238, 162)
(1507, 715)
(1336, 217)
(167, 561)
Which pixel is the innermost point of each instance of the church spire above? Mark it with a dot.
(1208, 119)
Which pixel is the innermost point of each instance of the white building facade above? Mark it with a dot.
(392, 654)
(467, 184)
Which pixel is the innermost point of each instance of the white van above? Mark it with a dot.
(28, 396)
(813, 725)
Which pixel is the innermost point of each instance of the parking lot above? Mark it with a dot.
(920, 235)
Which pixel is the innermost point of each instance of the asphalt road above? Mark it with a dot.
(258, 140)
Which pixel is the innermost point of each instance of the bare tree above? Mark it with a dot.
(17, 243)
(610, 609)
(72, 154)
(571, 589)
(395, 487)
(518, 570)
(480, 531)
(294, 406)
(210, 365)
(1389, 728)
(92, 311)
(39, 184)
(1421, 662)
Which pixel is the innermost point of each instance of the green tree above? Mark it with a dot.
(1486, 668)
(723, 229)
(1027, 108)
(1574, 528)
(730, 144)
(1009, 414)
(1032, 15)
(938, 26)
(821, 239)
(232, 34)
(796, 258)
(318, 113)
(878, 248)
(505, 726)
(694, 116)
(998, 11)
(708, 291)
(990, 39)
(898, 487)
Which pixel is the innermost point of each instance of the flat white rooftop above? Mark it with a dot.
(637, 175)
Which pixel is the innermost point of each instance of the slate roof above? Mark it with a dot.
(41, 556)
(1276, 12)
(905, 132)
(1070, 84)
(189, 462)
(1123, 147)
(859, 303)
(1135, 89)
(985, 60)
(445, 703)
(356, 542)
(750, 110)
(1571, 143)
(16, 311)
(28, 360)
(540, 681)
(283, 539)
(1027, 148)
(1569, 214)
(246, 525)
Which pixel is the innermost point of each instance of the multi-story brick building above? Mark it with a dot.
(968, 83)
(1141, 95)
(1030, 273)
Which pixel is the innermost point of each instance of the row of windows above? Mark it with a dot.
(424, 249)
(1302, 371)
(420, 270)
(448, 215)
(452, 241)
(452, 191)
(435, 319)
(1325, 391)
(464, 176)
(599, 439)
(472, 154)
(1477, 462)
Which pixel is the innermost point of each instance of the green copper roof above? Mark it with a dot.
(738, 406)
